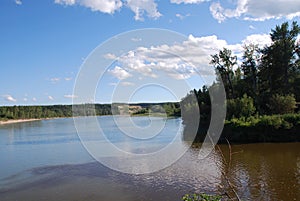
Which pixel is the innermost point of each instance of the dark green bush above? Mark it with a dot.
(280, 104)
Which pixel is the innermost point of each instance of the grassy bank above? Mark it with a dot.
(266, 128)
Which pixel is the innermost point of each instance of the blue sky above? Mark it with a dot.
(44, 43)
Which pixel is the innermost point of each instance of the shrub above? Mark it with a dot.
(240, 107)
(280, 104)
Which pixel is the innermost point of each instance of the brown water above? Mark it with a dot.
(259, 172)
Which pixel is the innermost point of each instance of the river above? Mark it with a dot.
(45, 160)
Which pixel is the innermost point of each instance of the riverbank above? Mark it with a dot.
(255, 129)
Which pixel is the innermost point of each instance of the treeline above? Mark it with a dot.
(51, 111)
(171, 109)
(260, 88)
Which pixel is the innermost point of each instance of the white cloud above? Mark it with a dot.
(110, 56)
(180, 16)
(258, 39)
(217, 12)
(136, 39)
(70, 96)
(25, 99)
(257, 10)
(104, 6)
(127, 84)
(252, 27)
(9, 98)
(50, 98)
(18, 2)
(140, 7)
(65, 2)
(68, 78)
(55, 80)
(34, 99)
(180, 60)
(120, 73)
(188, 1)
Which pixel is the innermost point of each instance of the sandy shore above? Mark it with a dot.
(17, 121)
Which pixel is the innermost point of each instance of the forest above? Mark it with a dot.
(262, 90)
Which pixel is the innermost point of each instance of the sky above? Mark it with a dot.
(150, 47)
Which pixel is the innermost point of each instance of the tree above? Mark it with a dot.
(279, 59)
(224, 63)
(249, 67)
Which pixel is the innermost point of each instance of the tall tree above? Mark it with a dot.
(224, 63)
(249, 67)
(280, 58)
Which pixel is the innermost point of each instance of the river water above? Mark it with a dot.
(45, 160)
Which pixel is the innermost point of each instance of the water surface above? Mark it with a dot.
(45, 160)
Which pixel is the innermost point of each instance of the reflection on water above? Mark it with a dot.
(45, 161)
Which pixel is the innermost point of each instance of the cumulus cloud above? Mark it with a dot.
(140, 7)
(104, 6)
(180, 60)
(120, 73)
(70, 96)
(9, 98)
(261, 40)
(257, 10)
(50, 98)
(34, 99)
(187, 1)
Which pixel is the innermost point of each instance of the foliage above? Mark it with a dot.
(282, 104)
(240, 107)
(201, 197)
(285, 121)
(279, 61)
(224, 63)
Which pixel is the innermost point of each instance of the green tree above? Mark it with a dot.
(224, 63)
(249, 67)
(279, 59)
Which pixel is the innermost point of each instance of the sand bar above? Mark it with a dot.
(17, 121)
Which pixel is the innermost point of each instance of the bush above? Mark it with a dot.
(286, 121)
(280, 104)
(240, 107)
